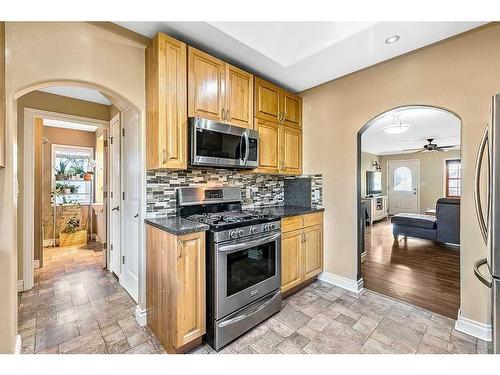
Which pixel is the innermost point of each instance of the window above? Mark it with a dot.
(402, 179)
(453, 174)
(69, 165)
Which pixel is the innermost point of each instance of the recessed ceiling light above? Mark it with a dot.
(392, 39)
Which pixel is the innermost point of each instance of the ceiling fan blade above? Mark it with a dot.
(452, 146)
(412, 149)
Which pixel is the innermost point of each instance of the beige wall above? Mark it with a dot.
(54, 103)
(41, 54)
(367, 160)
(460, 75)
(431, 174)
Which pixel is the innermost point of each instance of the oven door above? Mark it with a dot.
(246, 270)
(221, 145)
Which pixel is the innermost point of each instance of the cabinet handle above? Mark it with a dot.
(164, 156)
(179, 249)
(222, 114)
(227, 115)
(303, 237)
(283, 117)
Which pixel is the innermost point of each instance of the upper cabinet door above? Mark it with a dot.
(291, 107)
(267, 100)
(291, 150)
(268, 146)
(166, 101)
(239, 97)
(205, 86)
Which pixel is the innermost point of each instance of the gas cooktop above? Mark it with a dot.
(231, 219)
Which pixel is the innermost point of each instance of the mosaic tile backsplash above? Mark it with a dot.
(257, 190)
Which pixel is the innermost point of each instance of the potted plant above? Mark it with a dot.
(77, 169)
(73, 189)
(61, 170)
(66, 189)
(72, 234)
(90, 171)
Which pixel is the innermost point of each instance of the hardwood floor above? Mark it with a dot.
(420, 272)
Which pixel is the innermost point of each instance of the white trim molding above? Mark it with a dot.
(20, 285)
(471, 327)
(140, 315)
(354, 286)
(19, 345)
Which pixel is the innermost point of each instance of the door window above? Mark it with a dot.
(402, 179)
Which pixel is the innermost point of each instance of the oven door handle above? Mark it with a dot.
(250, 313)
(245, 244)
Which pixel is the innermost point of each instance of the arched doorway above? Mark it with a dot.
(132, 190)
(409, 164)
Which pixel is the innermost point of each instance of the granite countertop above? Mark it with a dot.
(177, 225)
(286, 211)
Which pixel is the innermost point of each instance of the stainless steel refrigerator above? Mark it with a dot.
(488, 270)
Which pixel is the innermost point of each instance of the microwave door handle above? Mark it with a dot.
(247, 148)
(245, 244)
(477, 185)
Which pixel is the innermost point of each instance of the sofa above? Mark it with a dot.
(445, 227)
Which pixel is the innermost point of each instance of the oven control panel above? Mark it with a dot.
(250, 230)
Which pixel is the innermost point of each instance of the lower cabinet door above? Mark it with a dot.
(291, 273)
(190, 288)
(313, 251)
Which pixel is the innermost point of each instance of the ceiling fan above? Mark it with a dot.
(432, 147)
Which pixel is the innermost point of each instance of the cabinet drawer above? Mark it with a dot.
(313, 219)
(291, 223)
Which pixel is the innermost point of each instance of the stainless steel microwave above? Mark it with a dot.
(213, 144)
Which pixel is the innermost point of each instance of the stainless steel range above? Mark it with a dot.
(243, 261)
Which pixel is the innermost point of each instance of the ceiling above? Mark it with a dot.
(301, 55)
(68, 125)
(425, 122)
(82, 93)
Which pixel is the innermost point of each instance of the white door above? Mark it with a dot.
(114, 196)
(403, 186)
(131, 190)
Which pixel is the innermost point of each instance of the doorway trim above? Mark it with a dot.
(29, 182)
(418, 179)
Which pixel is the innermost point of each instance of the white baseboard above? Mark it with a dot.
(342, 282)
(471, 327)
(140, 315)
(36, 264)
(20, 285)
(19, 345)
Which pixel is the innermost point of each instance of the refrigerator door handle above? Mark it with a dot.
(483, 225)
(479, 275)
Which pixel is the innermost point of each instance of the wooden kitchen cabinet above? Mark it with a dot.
(290, 150)
(280, 148)
(175, 288)
(269, 152)
(267, 100)
(272, 103)
(292, 109)
(239, 97)
(166, 102)
(219, 91)
(291, 274)
(301, 249)
(206, 97)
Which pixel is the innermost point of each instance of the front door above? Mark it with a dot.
(403, 186)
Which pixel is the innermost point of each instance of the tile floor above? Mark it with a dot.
(76, 307)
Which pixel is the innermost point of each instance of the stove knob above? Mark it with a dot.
(266, 227)
(272, 226)
(253, 230)
(241, 233)
(233, 234)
